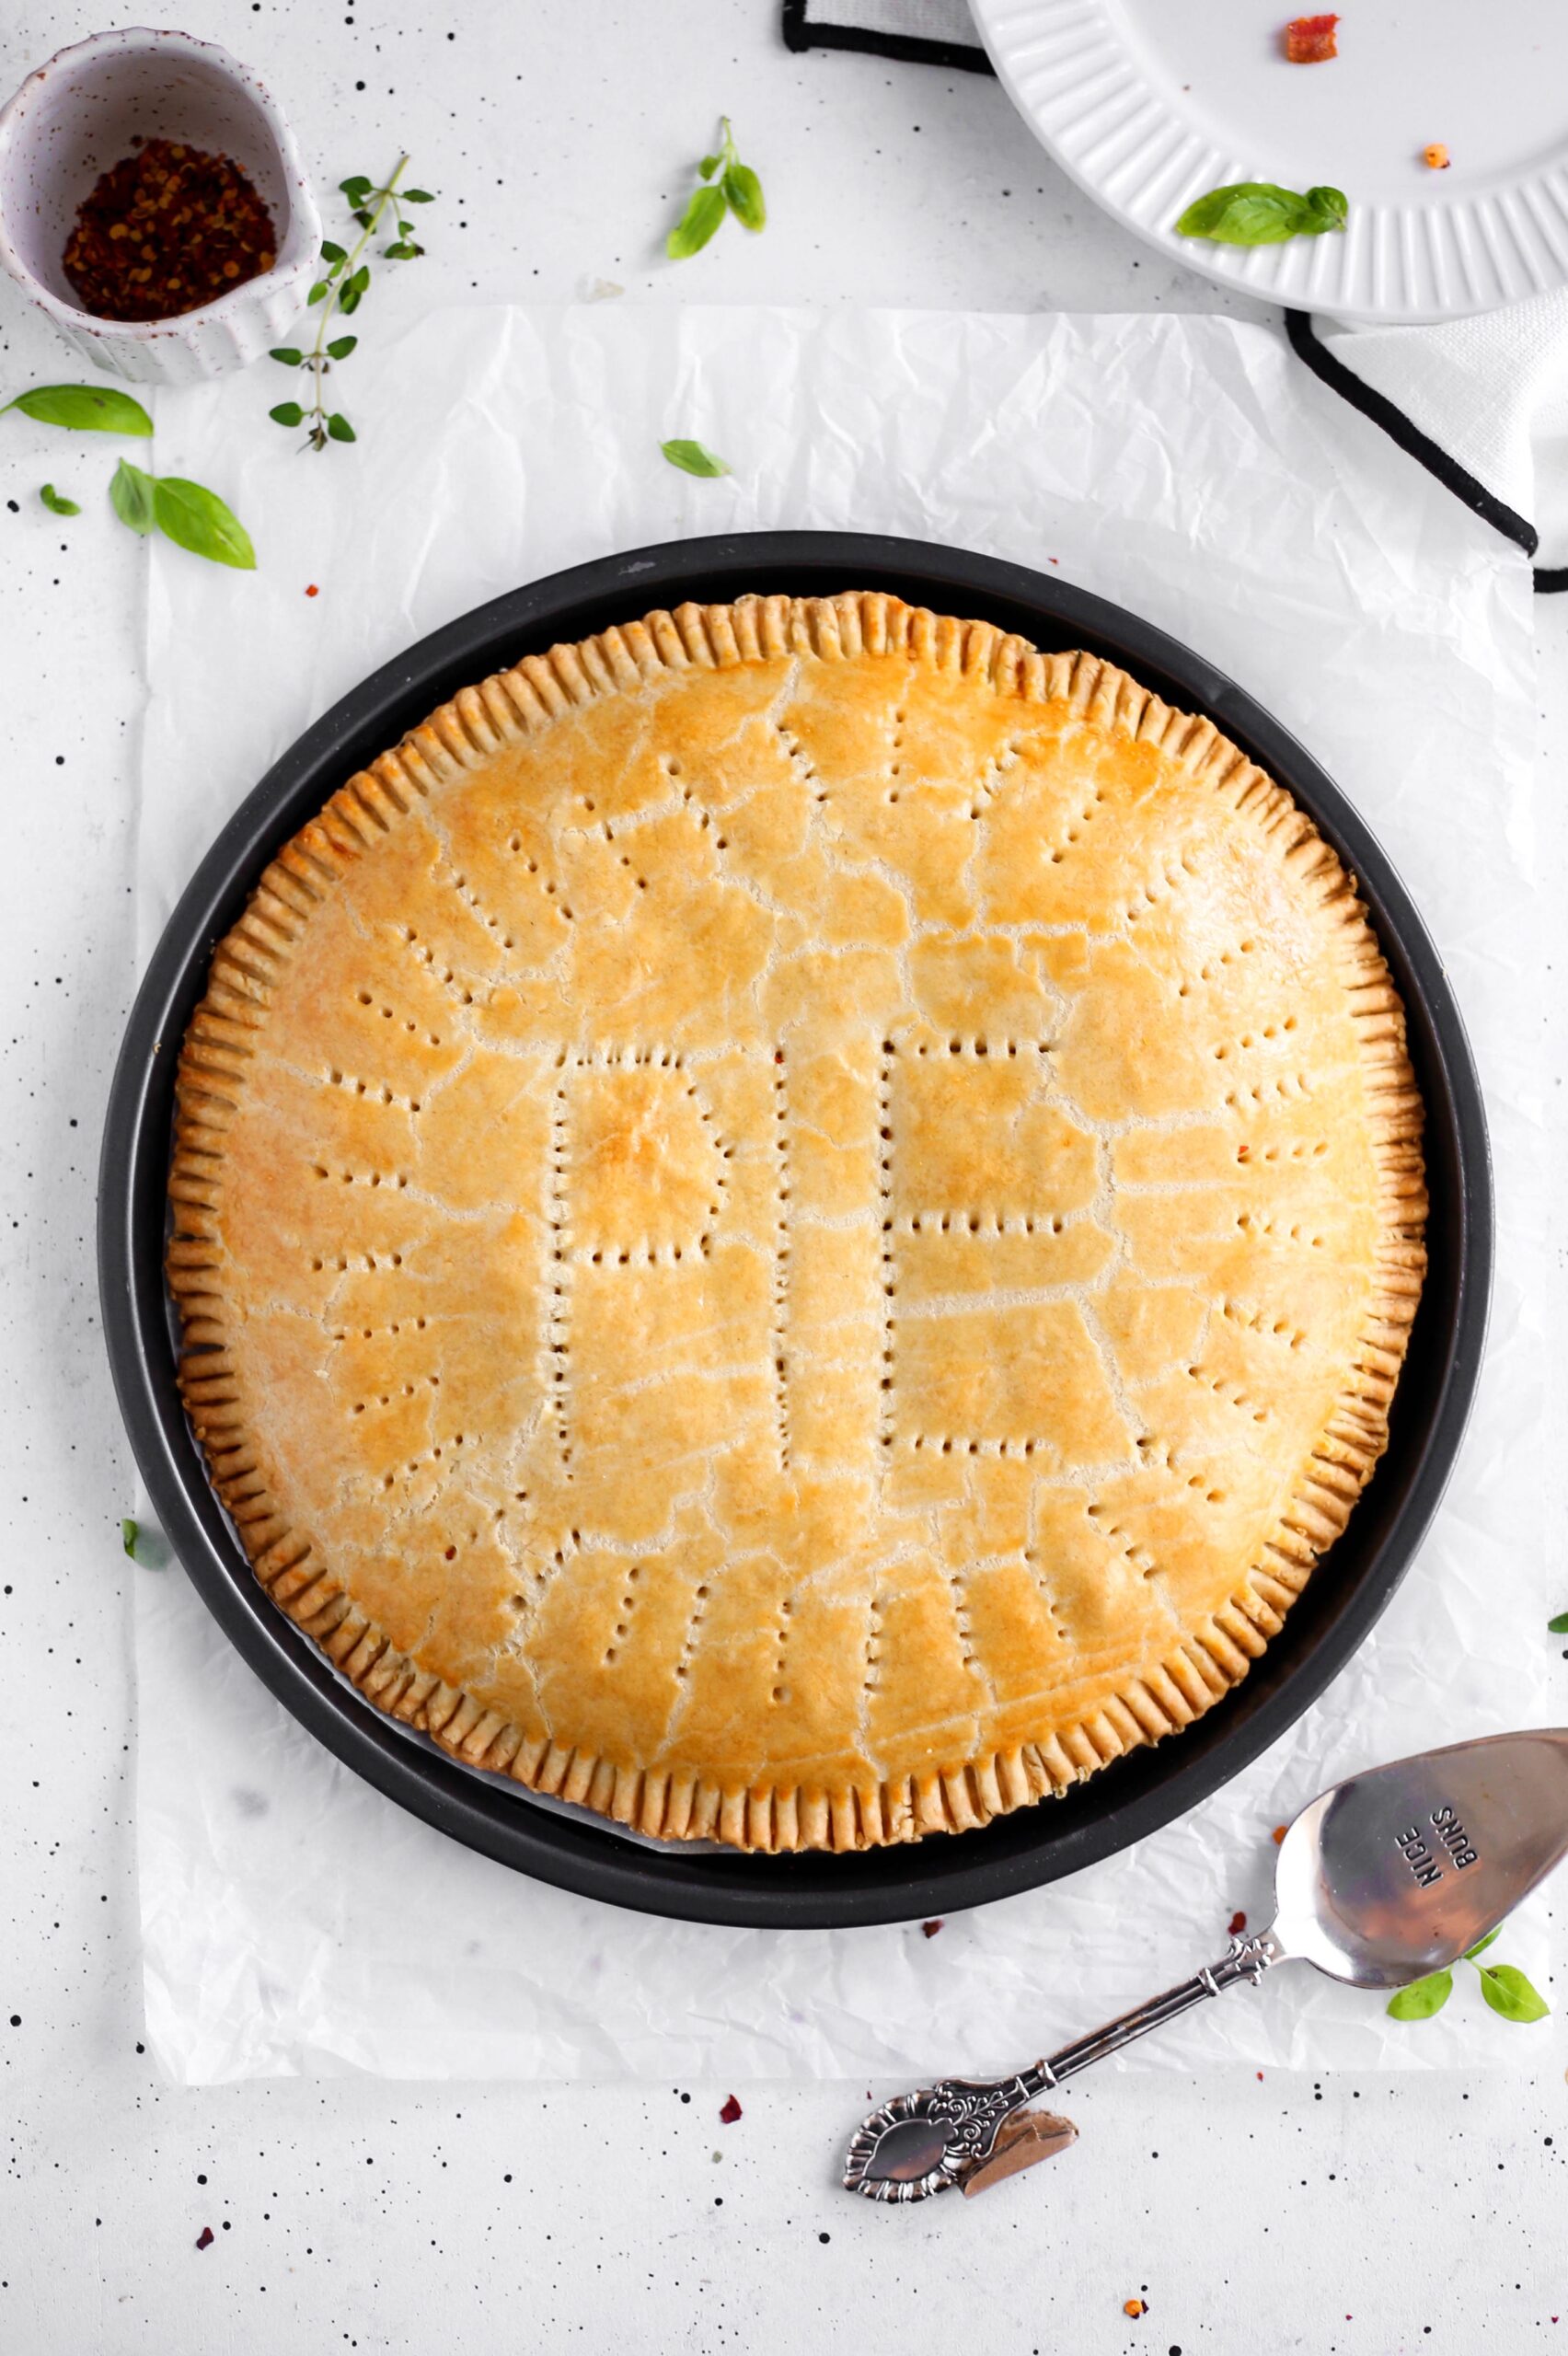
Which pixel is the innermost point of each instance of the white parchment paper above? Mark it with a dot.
(295, 1922)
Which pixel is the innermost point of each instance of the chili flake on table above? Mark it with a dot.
(168, 228)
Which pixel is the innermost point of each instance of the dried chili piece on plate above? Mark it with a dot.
(1309, 40)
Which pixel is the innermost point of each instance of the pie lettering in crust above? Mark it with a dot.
(797, 1223)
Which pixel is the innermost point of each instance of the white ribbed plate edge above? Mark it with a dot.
(1148, 103)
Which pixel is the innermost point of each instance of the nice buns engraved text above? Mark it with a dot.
(1420, 1848)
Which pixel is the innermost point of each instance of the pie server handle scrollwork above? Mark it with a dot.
(936, 2139)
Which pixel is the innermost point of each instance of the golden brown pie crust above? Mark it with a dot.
(797, 1223)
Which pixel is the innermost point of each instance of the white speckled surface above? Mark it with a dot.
(1360, 2216)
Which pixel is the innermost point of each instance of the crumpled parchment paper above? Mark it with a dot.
(295, 1922)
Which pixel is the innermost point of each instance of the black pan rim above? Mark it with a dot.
(1123, 1802)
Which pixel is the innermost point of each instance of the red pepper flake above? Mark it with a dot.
(1134, 2307)
(1260, 2082)
(205, 2238)
(1279, 1832)
(1436, 156)
(1237, 1923)
(930, 1929)
(313, 591)
(1309, 40)
(731, 2111)
(168, 230)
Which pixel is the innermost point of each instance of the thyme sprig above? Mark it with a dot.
(339, 294)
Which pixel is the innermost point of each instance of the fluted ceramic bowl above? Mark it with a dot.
(74, 118)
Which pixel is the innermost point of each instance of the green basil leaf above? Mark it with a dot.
(339, 429)
(696, 224)
(1331, 204)
(287, 354)
(349, 301)
(693, 459)
(86, 409)
(195, 518)
(340, 346)
(356, 189)
(286, 414)
(1422, 1998)
(1508, 1992)
(56, 503)
(131, 496)
(743, 192)
(128, 1535)
(415, 196)
(318, 290)
(1256, 213)
(1480, 1946)
(361, 279)
(1559, 1627)
(331, 252)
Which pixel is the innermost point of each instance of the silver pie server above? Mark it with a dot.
(1381, 1880)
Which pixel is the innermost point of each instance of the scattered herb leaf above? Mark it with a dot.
(340, 292)
(700, 222)
(1508, 1992)
(1504, 1985)
(186, 512)
(288, 353)
(84, 408)
(737, 190)
(128, 1535)
(1256, 213)
(131, 496)
(57, 502)
(1559, 1627)
(194, 517)
(693, 459)
(1422, 1998)
(743, 192)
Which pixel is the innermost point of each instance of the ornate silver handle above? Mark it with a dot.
(930, 2140)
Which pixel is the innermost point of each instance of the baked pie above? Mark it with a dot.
(797, 1223)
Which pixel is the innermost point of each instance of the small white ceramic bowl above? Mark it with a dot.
(74, 118)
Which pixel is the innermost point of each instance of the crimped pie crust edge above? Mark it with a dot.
(524, 701)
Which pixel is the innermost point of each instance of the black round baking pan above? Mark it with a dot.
(1035, 1844)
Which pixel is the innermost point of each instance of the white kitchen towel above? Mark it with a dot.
(1480, 402)
(293, 1920)
(928, 32)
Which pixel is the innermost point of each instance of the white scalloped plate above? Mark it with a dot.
(1146, 103)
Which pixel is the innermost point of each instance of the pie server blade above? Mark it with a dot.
(1383, 1878)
